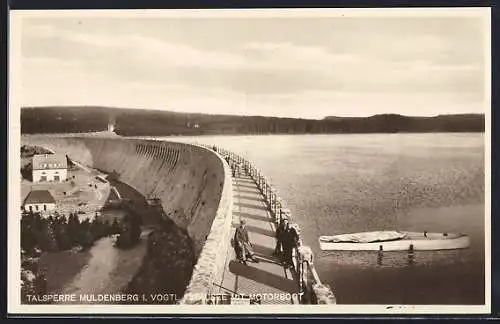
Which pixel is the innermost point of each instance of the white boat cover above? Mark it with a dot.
(365, 237)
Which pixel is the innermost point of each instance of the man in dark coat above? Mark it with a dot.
(289, 242)
(279, 236)
(242, 242)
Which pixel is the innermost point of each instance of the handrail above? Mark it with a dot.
(310, 287)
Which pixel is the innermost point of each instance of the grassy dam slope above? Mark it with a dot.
(193, 184)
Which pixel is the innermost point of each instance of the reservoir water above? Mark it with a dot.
(350, 183)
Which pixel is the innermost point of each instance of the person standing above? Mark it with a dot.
(243, 241)
(279, 236)
(289, 242)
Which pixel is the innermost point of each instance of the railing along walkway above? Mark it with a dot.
(266, 280)
(256, 201)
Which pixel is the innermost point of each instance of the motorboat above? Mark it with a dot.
(394, 241)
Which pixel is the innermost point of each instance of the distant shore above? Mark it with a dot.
(136, 122)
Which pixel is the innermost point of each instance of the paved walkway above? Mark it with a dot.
(268, 276)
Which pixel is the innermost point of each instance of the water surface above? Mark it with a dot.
(349, 183)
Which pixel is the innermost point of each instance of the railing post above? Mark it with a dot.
(273, 195)
(304, 289)
(273, 202)
(279, 211)
(305, 257)
(271, 207)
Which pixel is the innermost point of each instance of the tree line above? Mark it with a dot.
(133, 122)
(59, 233)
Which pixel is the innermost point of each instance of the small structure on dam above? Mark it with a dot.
(111, 123)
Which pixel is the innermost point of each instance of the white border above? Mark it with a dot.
(260, 13)
(15, 28)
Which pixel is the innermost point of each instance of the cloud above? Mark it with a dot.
(131, 47)
(347, 68)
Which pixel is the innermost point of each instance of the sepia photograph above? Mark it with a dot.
(263, 161)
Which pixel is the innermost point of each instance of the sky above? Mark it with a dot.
(284, 65)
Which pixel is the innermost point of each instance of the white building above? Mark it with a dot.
(49, 167)
(40, 201)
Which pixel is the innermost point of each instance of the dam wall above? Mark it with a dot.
(193, 184)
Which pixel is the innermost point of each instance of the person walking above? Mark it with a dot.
(242, 240)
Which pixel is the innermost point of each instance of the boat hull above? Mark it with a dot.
(413, 240)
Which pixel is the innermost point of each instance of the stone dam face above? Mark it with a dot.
(193, 184)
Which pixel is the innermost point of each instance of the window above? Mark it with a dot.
(36, 207)
(43, 178)
(44, 207)
(57, 172)
(31, 208)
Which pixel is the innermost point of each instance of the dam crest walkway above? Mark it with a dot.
(267, 279)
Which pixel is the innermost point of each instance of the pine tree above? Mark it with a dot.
(73, 228)
(62, 236)
(46, 237)
(28, 233)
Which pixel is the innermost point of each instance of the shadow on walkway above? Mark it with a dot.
(252, 192)
(252, 216)
(256, 230)
(252, 198)
(263, 251)
(244, 179)
(239, 185)
(251, 206)
(263, 277)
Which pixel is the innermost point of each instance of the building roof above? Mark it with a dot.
(39, 197)
(49, 161)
